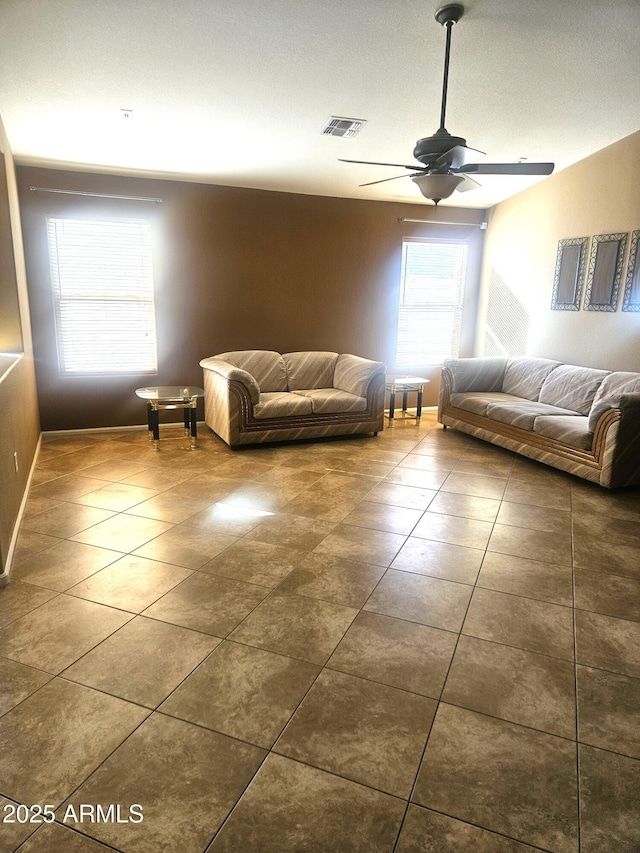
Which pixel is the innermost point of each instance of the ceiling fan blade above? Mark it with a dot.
(382, 181)
(506, 168)
(467, 184)
(457, 156)
(414, 168)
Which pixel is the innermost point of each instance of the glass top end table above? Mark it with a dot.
(405, 384)
(164, 397)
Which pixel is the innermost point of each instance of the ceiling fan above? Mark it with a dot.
(444, 157)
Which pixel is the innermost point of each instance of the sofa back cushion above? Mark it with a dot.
(476, 374)
(608, 394)
(353, 373)
(266, 367)
(571, 387)
(524, 377)
(309, 370)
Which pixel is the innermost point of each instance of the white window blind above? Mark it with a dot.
(103, 295)
(431, 295)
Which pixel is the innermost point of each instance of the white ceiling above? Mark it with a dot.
(236, 91)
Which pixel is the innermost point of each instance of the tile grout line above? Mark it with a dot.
(439, 700)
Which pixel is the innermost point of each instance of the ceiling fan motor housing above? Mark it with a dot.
(429, 148)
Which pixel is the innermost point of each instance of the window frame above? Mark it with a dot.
(140, 298)
(432, 306)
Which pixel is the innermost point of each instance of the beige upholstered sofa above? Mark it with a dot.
(581, 420)
(254, 396)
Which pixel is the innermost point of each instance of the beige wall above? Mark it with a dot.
(234, 269)
(19, 424)
(599, 195)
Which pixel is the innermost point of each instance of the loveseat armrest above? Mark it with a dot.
(227, 372)
(354, 374)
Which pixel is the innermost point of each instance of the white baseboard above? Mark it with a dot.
(4, 575)
(54, 432)
(93, 430)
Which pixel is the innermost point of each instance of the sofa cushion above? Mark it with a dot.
(570, 429)
(266, 367)
(309, 369)
(608, 394)
(281, 404)
(353, 374)
(524, 376)
(331, 400)
(477, 401)
(523, 414)
(476, 374)
(572, 387)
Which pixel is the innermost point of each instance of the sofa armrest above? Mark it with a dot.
(618, 430)
(476, 374)
(226, 372)
(444, 392)
(354, 374)
(629, 401)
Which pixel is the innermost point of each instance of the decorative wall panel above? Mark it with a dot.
(569, 276)
(605, 272)
(631, 298)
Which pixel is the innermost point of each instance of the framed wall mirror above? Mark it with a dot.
(569, 275)
(631, 298)
(605, 272)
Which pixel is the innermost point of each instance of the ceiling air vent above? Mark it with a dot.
(337, 126)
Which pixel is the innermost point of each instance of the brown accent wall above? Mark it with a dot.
(598, 195)
(234, 269)
(19, 425)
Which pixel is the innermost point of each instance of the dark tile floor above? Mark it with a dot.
(415, 642)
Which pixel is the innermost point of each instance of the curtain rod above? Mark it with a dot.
(97, 195)
(481, 225)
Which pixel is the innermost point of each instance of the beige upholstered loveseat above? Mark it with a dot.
(581, 420)
(254, 396)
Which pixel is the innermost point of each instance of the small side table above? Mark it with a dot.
(160, 397)
(405, 384)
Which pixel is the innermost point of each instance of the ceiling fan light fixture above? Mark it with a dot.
(437, 187)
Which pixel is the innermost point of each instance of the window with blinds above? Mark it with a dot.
(103, 295)
(431, 296)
